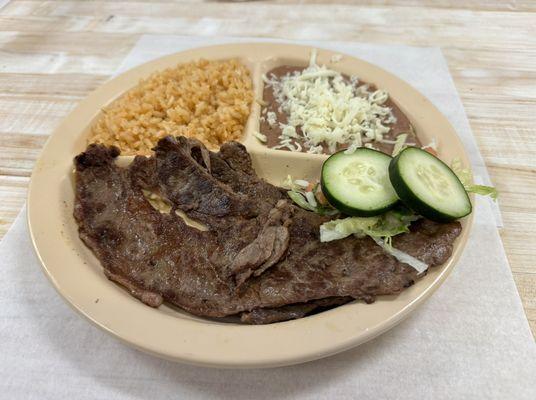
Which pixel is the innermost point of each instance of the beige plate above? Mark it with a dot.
(176, 335)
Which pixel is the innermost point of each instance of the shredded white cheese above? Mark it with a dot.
(262, 138)
(336, 58)
(400, 144)
(328, 109)
(271, 118)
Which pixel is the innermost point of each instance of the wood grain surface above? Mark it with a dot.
(53, 53)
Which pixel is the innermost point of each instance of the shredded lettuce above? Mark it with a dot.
(380, 228)
(341, 228)
(466, 178)
(394, 222)
(307, 201)
(483, 190)
(300, 200)
(288, 183)
(384, 226)
(402, 256)
(306, 198)
(311, 199)
(301, 183)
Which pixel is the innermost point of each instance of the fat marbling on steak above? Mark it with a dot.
(260, 257)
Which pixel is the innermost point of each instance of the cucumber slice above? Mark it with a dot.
(358, 184)
(428, 186)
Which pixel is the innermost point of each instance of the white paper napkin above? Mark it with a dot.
(3, 3)
(470, 340)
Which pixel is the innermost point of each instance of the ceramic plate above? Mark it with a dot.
(176, 335)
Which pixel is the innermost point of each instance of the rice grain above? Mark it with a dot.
(207, 100)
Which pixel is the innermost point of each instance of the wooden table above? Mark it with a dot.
(52, 54)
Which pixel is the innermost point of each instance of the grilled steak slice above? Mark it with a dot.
(292, 311)
(248, 226)
(232, 166)
(260, 252)
(183, 171)
(154, 252)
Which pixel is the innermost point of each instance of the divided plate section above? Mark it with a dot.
(428, 125)
(119, 86)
